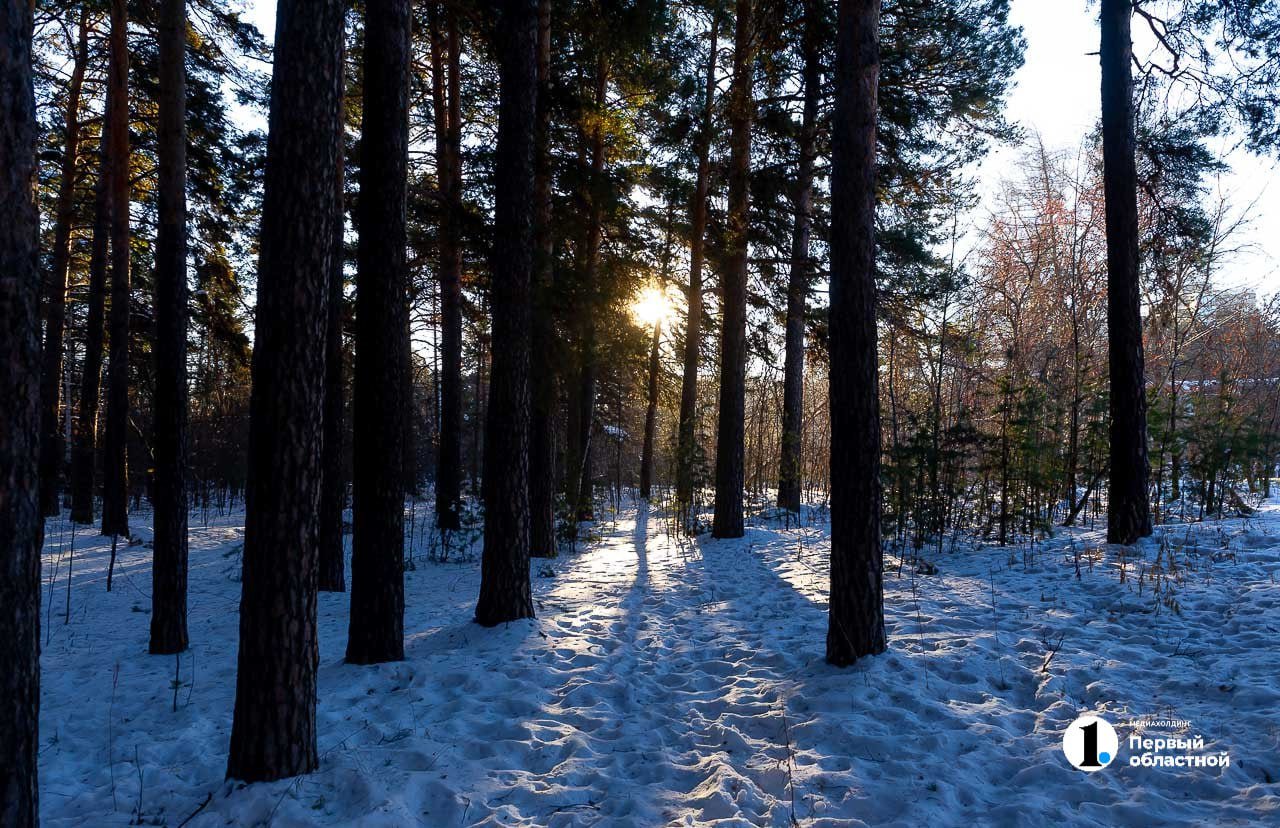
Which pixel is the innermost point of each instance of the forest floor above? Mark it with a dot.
(676, 682)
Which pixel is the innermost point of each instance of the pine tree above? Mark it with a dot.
(376, 632)
(52, 446)
(446, 79)
(169, 496)
(801, 268)
(273, 732)
(693, 295)
(20, 523)
(84, 446)
(730, 432)
(856, 618)
(505, 593)
(115, 473)
(1128, 508)
(331, 568)
(544, 374)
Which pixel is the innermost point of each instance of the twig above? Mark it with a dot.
(111, 765)
(1044, 668)
(192, 815)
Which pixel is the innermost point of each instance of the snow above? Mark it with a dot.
(676, 682)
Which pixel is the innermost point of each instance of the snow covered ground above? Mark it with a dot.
(670, 682)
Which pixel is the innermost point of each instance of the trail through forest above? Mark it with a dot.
(669, 681)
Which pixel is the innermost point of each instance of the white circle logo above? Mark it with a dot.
(1090, 743)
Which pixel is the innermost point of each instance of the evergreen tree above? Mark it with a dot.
(856, 624)
(169, 497)
(20, 523)
(377, 549)
(273, 733)
(505, 593)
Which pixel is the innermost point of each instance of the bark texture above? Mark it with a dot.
(115, 471)
(579, 488)
(376, 633)
(650, 414)
(1128, 507)
(169, 495)
(504, 572)
(693, 295)
(801, 275)
(332, 576)
(856, 619)
(52, 445)
(273, 733)
(446, 77)
(84, 443)
(543, 375)
(21, 527)
(730, 430)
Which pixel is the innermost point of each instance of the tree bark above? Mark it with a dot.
(1128, 509)
(730, 431)
(801, 269)
(115, 472)
(52, 445)
(85, 440)
(449, 180)
(542, 460)
(273, 733)
(856, 620)
(580, 488)
(20, 523)
(505, 593)
(693, 296)
(331, 575)
(377, 546)
(650, 415)
(169, 496)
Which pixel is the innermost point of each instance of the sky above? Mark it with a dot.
(1057, 95)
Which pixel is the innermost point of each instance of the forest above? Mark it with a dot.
(634, 412)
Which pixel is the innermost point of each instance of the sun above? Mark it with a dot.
(651, 306)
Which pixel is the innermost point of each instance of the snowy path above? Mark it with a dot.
(669, 682)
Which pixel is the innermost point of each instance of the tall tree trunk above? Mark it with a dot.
(693, 296)
(1128, 509)
(377, 546)
(505, 593)
(730, 431)
(579, 489)
(273, 733)
(169, 496)
(52, 446)
(115, 472)
(331, 571)
(801, 270)
(20, 523)
(650, 415)
(856, 621)
(447, 95)
(84, 446)
(542, 460)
